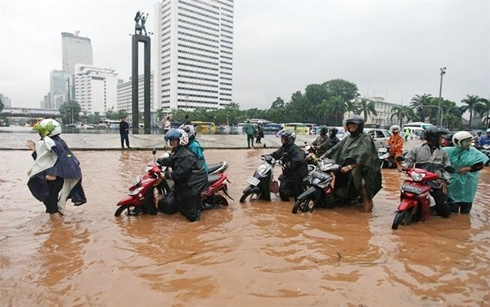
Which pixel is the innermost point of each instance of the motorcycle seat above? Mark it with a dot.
(212, 178)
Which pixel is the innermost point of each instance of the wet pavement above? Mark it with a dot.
(246, 254)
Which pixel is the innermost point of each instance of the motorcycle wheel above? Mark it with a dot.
(250, 195)
(402, 218)
(303, 205)
(122, 208)
(215, 202)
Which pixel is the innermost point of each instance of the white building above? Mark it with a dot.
(95, 88)
(193, 54)
(125, 92)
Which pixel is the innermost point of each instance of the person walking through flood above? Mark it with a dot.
(56, 175)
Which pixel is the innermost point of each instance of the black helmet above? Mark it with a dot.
(356, 119)
(333, 131)
(323, 131)
(432, 135)
(289, 135)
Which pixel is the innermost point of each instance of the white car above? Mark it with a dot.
(379, 135)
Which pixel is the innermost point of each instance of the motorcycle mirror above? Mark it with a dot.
(154, 150)
(400, 158)
(265, 145)
(450, 169)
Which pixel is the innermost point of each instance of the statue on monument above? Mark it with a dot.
(140, 20)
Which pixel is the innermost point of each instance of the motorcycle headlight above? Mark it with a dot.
(417, 176)
(262, 169)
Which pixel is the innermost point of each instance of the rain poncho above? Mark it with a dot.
(462, 188)
(53, 157)
(361, 148)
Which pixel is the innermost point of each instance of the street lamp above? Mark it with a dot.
(443, 71)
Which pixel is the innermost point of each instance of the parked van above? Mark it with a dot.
(422, 125)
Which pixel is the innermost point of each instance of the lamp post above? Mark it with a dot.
(443, 71)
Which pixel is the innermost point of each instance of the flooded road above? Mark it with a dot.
(248, 254)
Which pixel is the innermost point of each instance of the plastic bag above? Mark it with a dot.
(274, 187)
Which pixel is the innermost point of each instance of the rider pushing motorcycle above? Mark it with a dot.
(295, 165)
(430, 156)
(190, 178)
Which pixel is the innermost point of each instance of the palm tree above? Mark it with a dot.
(351, 107)
(367, 107)
(483, 108)
(471, 102)
(402, 112)
(419, 104)
(337, 108)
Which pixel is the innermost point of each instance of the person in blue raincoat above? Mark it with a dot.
(56, 175)
(467, 161)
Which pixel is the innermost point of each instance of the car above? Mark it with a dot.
(272, 128)
(379, 135)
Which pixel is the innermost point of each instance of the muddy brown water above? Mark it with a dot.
(247, 254)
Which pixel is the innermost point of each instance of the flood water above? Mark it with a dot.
(248, 254)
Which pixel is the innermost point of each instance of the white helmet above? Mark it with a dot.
(460, 136)
(394, 128)
(47, 127)
(191, 131)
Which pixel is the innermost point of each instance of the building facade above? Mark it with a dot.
(75, 50)
(59, 84)
(124, 97)
(95, 88)
(193, 54)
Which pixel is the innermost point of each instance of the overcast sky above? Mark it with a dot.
(392, 49)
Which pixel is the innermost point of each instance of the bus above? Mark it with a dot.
(299, 128)
(204, 127)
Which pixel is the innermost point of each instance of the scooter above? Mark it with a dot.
(415, 198)
(385, 158)
(262, 183)
(321, 188)
(486, 150)
(143, 194)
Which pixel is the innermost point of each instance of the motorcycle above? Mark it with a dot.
(311, 153)
(262, 183)
(143, 194)
(415, 198)
(385, 158)
(321, 188)
(486, 150)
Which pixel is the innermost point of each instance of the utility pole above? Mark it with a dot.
(443, 72)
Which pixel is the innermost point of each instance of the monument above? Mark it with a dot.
(139, 29)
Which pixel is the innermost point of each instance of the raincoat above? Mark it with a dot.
(361, 148)
(53, 157)
(462, 188)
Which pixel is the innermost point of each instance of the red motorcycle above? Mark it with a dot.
(143, 195)
(415, 199)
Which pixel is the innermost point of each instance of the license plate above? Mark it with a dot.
(253, 181)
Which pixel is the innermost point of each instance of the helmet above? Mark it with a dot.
(289, 135)
(488, 130)
(460, 136)
(47, 127)
(333, 131)
(356, 119)
(323, 131)
(191, 131)
(177, 134)
(259, 122)
(395, 128)
(432, 134)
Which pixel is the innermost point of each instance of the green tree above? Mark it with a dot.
(419, 104)
(483, 108)
(70, 112)
(341, 88)
(367, 107)
(1, 105)
(471, 102)
(401, 113)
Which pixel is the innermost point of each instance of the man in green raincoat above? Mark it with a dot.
(360, 174)
(467, 161)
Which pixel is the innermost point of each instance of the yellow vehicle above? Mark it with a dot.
(299, 128)
(204, 127)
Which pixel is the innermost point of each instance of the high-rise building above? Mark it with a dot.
(125, 95)
(75, 50)
(59, 83)
(194, 54)
(95, 88)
